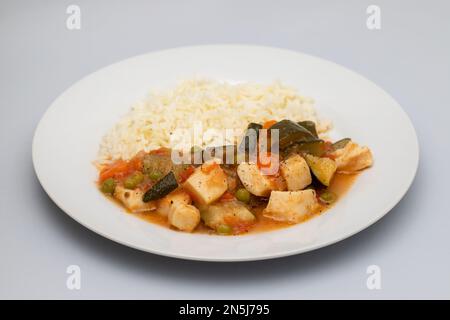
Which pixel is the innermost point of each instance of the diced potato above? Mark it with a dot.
(179, 196)
(352, 158)
(291, 206)
(230, 213)
(132, 199)
(184, 217)
(207, 183)
(257, 183)
(296, 172)
(322, 168)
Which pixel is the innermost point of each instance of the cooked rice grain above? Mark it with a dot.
(219, 105)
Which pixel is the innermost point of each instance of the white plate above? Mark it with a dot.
(67, 138)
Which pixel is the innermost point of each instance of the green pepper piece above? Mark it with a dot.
(340, 144)
(310, 126)
(290, 133)
(162, 188)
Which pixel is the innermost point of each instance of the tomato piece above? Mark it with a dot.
(112, 170)
(120, 169)
(161, 151)
(186, 173)
(268, 124)
(135, 164)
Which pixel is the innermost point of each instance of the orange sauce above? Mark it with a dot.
(340, 185)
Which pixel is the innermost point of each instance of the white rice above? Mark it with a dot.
(153, 122)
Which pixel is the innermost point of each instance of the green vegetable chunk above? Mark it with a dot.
(340, 144)
(316, 148)
(328, 197)
(243, 195)
(322, 168)
(291, 132)
(155, 175)
(254, 126)
(133, 180)
(248, 144)
(108, 186)
(224, 229)
(310, 126)
(162, 188)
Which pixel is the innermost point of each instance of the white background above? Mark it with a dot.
(40, 58)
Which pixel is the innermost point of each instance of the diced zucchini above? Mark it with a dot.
(322, 168)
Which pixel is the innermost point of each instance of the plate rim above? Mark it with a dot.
(282, 253)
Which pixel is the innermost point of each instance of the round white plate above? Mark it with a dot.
(67, 139)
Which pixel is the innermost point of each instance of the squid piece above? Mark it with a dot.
(173, 199)
(296, 172)
(132, 199)
(291, 206)
(184, 217)
(229, 214)
(257, 183)
(208, 183)
(352, 158)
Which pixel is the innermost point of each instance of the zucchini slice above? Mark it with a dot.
(162, 188)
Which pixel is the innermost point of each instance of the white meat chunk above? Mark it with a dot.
(257, 183)
(208, 183)
(296, 172)
(132, 199)
(352, 158)
(176, 197)
(291, 206)
(230, 213)
(184, 217)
